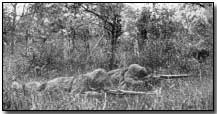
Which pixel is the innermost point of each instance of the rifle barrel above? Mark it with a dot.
(164, 76)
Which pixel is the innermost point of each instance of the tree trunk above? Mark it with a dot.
(12, 44)
(66, 49)
(141, 41)
(27, 38)
(113, 49)
(14, 27)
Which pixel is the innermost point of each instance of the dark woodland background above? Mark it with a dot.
(42, 41)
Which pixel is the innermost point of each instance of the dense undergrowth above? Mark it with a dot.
(193, 93)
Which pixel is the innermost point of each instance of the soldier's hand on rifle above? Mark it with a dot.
(139, 82)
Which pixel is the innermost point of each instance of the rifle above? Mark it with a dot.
(150, 77)
(124, 92)
(167, 76)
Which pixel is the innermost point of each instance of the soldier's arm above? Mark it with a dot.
(112, 72)
(42, 87)
(149, 76)
(129, 79)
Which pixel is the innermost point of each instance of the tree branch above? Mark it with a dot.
(101, 26)
(98, 15)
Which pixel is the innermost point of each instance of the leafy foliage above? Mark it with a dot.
(65, 39)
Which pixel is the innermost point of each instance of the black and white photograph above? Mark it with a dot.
(107, 56)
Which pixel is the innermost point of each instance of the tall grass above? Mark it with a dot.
(179, 94)
(193, 93)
